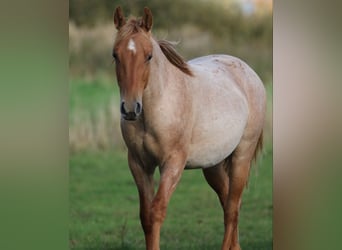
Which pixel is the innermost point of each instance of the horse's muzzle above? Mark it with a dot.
(131, 115)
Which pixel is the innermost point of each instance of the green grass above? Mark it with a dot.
(104, 207)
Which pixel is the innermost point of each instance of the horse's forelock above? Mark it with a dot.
(132, 26)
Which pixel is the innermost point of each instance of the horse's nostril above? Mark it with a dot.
(128, 113)
(122, 108)
(138, 108)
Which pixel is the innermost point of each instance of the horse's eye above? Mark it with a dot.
(115, 56)
(149, 57)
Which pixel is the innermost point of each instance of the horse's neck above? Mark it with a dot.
(164, 77)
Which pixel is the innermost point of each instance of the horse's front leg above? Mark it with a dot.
(144, 180)
(170, 173)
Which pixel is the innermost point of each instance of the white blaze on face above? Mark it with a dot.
(131, 46)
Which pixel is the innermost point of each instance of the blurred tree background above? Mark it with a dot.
(202, 27)
(242, 28)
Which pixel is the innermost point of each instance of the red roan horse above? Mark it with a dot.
(207, 113)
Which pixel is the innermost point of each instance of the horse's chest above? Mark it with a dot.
(141, 143)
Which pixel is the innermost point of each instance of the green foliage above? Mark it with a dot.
(104, 207)
(167, 14)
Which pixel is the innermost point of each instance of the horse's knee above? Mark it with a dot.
(158, 211)
(231, 217)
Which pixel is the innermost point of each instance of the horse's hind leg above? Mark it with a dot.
(238, 176)
(238, 173)
(217, 178)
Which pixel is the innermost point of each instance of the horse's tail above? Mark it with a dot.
(259, 146)
(257, 150)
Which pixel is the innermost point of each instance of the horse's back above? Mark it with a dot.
(235, 75)
(222, 99)
(228, 67)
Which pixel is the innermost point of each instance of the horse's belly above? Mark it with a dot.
(215, 144)
(218, 129)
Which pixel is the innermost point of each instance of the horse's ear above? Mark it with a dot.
(147, 19)
(119, 18)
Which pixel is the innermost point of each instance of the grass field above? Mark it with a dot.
(104, 206)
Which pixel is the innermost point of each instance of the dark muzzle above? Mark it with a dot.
(128, 114)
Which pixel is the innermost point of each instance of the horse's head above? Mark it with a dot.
(132, 53)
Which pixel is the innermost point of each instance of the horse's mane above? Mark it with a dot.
(133, 25)
(174, 58)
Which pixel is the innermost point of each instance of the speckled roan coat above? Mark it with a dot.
(207, 113)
